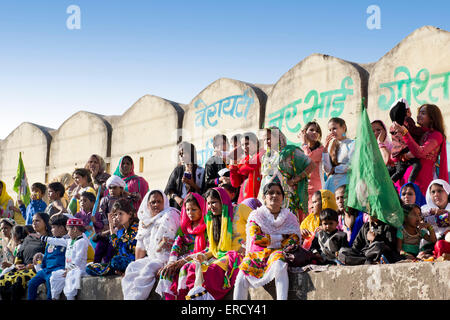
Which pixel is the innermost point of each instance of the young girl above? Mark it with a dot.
(384, 143)
(321, 200)
(191, 239)
(337, 153)
(82, 178)
(410, 193)
(412, 231)
(310, 138)
(123, 240)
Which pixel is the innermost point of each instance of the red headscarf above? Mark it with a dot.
(199, 230)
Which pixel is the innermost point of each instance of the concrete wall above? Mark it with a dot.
(80, 136)
(319, 87)
(34, 143)
(401, 281)
(226, 106)
(149, 130)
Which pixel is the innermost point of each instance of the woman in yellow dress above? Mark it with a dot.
(269, 229)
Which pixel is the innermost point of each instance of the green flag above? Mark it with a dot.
(21, 183)
(370, 187)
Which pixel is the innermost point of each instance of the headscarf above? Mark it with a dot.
(420, 199)
(328, 200)
(199, 230)
(134, 183)
(115, 181)
(252, 203)
(4, 197)
(220, 249)
(145, 217)
(280, 139)
(430, 204)
(292, 166)
(130, 176)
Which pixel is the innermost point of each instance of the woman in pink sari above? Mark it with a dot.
(136, 186)
(432, 146)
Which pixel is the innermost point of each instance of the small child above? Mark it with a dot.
(412, 231)
(104, 250)
(123, 240)
(400, 154)
(321, 200)
(328, 241)
(36, 204)
(376, 242)
(53, 259)
(87, 202)
(69, 279)
(83, 180)
(55, 192)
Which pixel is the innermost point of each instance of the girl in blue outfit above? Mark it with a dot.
(123, 240)
(410, 193)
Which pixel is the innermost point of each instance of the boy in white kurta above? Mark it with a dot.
(69, 279)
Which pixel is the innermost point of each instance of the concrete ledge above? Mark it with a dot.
(401, 281)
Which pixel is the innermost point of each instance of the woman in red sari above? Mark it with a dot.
(433, 144)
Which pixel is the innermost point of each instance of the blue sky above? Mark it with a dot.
(174, 49)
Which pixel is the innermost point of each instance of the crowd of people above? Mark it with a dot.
(258, 207)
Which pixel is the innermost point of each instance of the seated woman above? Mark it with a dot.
(435, 212)
(158, 225)
(269, 229)
(13, 284)
(410, 193)
(218, 262)
(191, 239)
